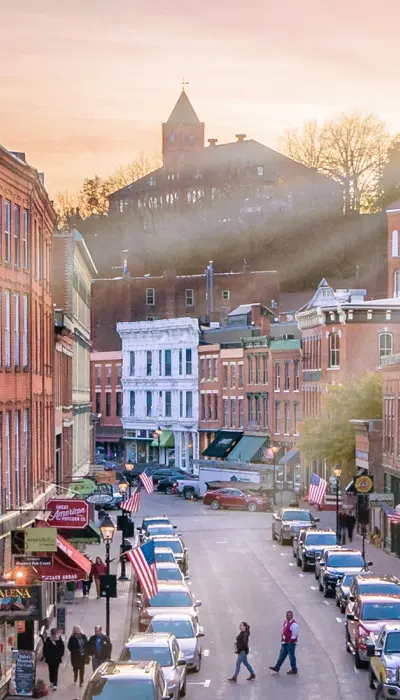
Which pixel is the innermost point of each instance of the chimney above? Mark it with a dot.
(240, 137)
(212, 142)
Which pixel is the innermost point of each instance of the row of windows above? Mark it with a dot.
(108, 374)
(290, 381)
(150, 296)
(109, 408)
(14, 343)
(312, 350)
(16, 233)
(389, 424)
(257, 413)
(209, 368)
(14, 453)
(164, 404)
(165, 364)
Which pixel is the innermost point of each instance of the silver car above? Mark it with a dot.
(169, 571)
(186, 629)
(164, 554)
(164, 648)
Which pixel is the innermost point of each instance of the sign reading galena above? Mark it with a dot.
(68, 513)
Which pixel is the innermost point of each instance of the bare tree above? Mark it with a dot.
(136, 169)
(305, 145)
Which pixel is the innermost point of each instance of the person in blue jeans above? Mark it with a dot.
(242, 649)
(290, 635)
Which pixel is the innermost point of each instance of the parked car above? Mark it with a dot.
(171, 594)
(152, 520)
(383, 651)
(319, 559)
(337, 563)
(342, 591)
(163, 648)
(368, 582)
(369, 614)
(236, 499)
(178, 548)
(167, 484)
(159, 530)
(166, 473)
(164, 554)
(289, 521)
(186, 629)
(308, 544)
(169, 571)
(127, 680)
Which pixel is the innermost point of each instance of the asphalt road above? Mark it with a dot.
(239, 573)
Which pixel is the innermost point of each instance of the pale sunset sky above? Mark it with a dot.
(85, 84)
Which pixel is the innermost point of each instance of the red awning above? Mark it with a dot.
(68, 563)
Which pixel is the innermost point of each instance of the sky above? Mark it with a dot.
(85, 84)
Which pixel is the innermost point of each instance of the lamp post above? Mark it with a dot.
(275, 451)
(129, 467)
(158, 434)
(337, 473)
(107, 529)
(122, 488)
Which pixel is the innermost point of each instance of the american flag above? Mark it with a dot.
(132, 504)
(147, 482)
(144, 565)
(392, 514)
(317, 489)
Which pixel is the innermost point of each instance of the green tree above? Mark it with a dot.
(332, 437)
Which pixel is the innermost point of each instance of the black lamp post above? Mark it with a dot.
(107, 529)
(123, 487)
(158, 434)
(337, 473)
(129, 467)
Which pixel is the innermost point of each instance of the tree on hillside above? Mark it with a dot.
(351, 150)
(390, 182)
(332, 437)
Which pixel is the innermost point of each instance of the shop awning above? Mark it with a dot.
(89, 535)
(223, 444)
(392, 514)
(291, 456)
(68, 563)
(166, 439)
(246, 448)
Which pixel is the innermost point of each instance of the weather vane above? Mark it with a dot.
(183, 83)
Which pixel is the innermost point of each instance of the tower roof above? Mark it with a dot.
(183, 112)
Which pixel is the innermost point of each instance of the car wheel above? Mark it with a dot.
(379, 694)
(298, 561)
(215, 505)
(304, 566)
(169, 490)
(294, 553)
(326, 591)
(188, 494)
(198, 667)
(320, 586)
(337, 602)
(281, 540)
(371, 678)
(348, 647)
(316, 573)
(252, 507)
(182, 691)
(358, 662)
(273, 534)
(343, 608)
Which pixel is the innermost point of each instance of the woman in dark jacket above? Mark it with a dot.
(242, 649)
(53, 651)
(77, 647)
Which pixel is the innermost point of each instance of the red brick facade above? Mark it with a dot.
(26, 364)
(106, 398)
(393, 219)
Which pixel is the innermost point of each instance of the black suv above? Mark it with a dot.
(141, 679)
(335, 564)
(307, 545)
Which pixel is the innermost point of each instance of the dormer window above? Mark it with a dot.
(260, 170)
(151, 181)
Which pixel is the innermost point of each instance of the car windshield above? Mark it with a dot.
(154, 521)
(171, 599)
(164, 556)
(172, 574)
(347, 580)
(151, 653)
(393, 643)
(175, 545)
(155, 530)
(296, 515)
(323, 539)
(343, 560)
(120, 688)
(182, 629)
(379, 587)
(381, 611)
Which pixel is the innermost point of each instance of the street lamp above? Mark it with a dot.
(107, 529)
(158, 434)
(337, 473)
(123, 487)
(275, 451)
(129, 467)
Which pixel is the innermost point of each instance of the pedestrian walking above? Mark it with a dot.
(98, 569)
(77, 647)
(342, 527)
(350, 524)
(99, 647)
(290, 635)
(242, 650)
(53, 651)
(87, 583)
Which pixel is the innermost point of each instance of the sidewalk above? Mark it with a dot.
(384, 563)
(88, 612)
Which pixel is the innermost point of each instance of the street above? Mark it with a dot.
(240, 574)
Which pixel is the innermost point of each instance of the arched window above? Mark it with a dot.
(385, 345)
(396, 286)
(395, 244)
(334, 350)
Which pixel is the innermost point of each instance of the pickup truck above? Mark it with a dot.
(384, 661)
(208, 477)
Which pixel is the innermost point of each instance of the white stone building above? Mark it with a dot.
(160, 390)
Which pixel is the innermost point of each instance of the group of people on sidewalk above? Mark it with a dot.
(98, 569)
(82, 650)
(347, 523)
(289, 639)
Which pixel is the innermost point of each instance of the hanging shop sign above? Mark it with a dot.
(82, 488)
(23, 673)
(33, 561)
(40, 539)
(20, 603)
(68, 513)
(61, 618)
(364, 484)
(375, 499)
(104, 494)
(104, 477)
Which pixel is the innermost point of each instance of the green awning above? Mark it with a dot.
(290, 456)
(88, 535)
(246, 448)
(166, 439)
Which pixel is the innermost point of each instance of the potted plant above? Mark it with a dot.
(40, 689)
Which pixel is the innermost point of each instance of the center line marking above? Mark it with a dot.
(222, 542)
(206, 652)
(301, 575)
(339, 619)
(291, 563)
(314, 588)
(326, 602)
(207, 684)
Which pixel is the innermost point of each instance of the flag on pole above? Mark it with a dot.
(317, 490)
(144, 565)
(147, 482)
(392, 514)
(132, 504)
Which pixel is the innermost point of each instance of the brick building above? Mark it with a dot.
(62, 387)
(106, 397)
(393, 220)
(391, 444)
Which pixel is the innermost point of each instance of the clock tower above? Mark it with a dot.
(182, 135)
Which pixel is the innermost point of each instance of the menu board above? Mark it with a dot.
(61, 611)
(23, 673)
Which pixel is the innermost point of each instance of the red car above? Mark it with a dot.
(234, 498)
